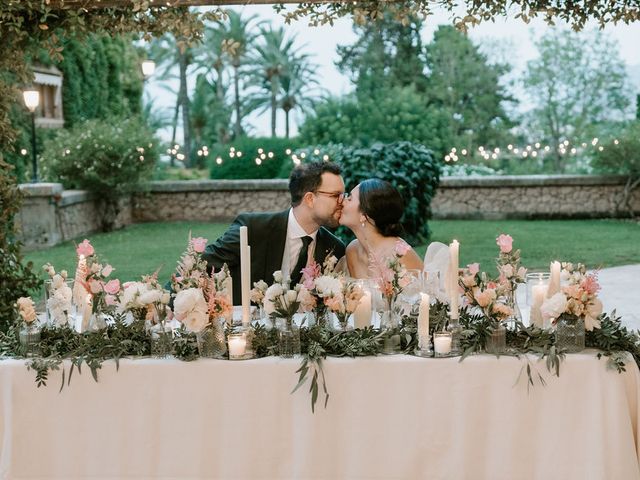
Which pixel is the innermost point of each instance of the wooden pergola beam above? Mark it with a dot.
(98, 4)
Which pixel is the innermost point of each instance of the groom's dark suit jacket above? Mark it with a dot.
(267, 235)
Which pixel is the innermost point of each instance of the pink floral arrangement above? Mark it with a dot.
(578, 298)
(201, 298)
(493, 296)
(91, 281)
(390, 275)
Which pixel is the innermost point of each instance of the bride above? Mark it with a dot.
(372, 211)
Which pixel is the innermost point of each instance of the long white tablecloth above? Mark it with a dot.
(387, 418)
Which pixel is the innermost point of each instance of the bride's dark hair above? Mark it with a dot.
(382, 203)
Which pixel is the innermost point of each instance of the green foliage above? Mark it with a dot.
(409, 167)
(101, 79)
(466, 89)
(107, 157)
(384, 116)
(578, 87)
(387, 54)
(622, 157)
(17, 279)
(245, 167)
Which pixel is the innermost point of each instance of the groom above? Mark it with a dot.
(286, 240)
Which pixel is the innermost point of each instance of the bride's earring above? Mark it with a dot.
(362, 224)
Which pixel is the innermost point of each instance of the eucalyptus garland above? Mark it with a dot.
(120, 340)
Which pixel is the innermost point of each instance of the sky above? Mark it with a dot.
(515, 38)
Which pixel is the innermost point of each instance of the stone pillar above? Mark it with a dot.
(37, 222)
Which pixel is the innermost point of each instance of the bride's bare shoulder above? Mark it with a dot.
(354, 247)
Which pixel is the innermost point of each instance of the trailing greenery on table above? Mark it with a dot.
(119, 340)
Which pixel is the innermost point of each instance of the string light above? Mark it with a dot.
(219, 160)
(288, 151)
(23, 151)
(325, 158)
(464, 151)
(270, 155)
(316, 152)
(258, 161)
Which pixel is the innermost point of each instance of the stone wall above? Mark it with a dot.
(50, 215)
(531, 196)
(208, 200)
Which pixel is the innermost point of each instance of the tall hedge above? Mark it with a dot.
(16, 279)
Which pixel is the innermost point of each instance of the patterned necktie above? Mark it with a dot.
(296, 273)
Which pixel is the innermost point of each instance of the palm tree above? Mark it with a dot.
(297, 82)
(210, 58)
(270, 60)
(240, 36)
(169, 52)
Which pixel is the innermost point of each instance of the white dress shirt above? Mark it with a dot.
(294, 243)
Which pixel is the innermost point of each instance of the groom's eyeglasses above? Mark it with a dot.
(338, 196)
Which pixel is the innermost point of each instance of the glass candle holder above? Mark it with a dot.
(535, 279)
(442, 344)
(424, 346)
(237, 346)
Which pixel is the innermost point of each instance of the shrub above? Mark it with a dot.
(622, 157)
(110, 158)
(18, 280)
(409, 167)
(386, 116)
(244, 166)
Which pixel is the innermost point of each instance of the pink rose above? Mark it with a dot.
(485, 298)
(112, 286)
(505, 243)
(106, 271)
(199, 244)
(492, 285)
(95, 286)
(110, 300)
(402, 248)
(85, 249)
(473, 268)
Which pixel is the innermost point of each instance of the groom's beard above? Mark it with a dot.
(332, 221)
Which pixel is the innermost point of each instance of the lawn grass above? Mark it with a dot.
(142, 248)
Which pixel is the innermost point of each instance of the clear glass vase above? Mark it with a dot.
(30, 339)
(389, 322)
(211, 341)
(497, 339)
(161, 340)
(516, 318)
(97, 321)
(570, 334)
(288, 338)
(59, 305)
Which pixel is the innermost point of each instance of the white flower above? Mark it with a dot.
(592, 314)
(190, 308)
(273, 292)
(64, 274)
(165, 298)
(57, 281)
(150, 296)
(291, 296)
(330, 263)
(277, 276)
(553, 307)
(131, 295)
(328, 286)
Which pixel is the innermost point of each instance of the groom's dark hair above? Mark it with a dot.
(308, 177)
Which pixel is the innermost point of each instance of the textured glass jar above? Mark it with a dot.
(570, 334)
(211, 341)
(161, 340)
(389, 321)
(496, 339)
(30, 339)
(288, 338)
